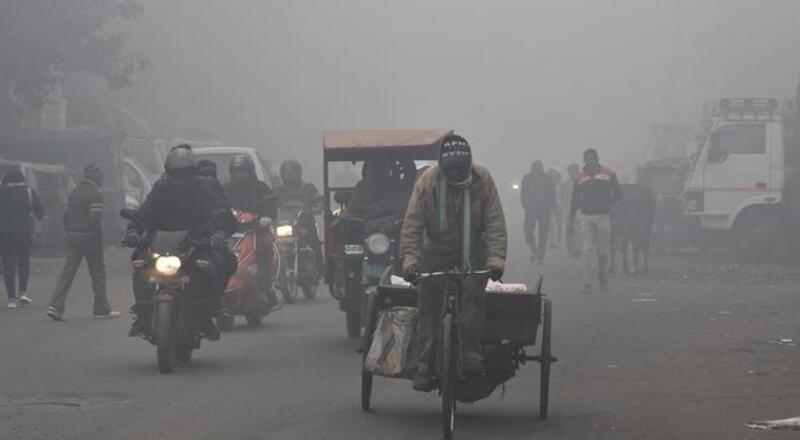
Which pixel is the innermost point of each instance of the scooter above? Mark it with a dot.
(243, 295)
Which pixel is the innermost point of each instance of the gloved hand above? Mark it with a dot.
(411, 275)
(132, 239)
(496, 273)
(217, 239)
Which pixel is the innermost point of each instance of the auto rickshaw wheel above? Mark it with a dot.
(353, 317)
(546, 360)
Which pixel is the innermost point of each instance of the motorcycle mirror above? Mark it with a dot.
(128, 214)
(341, 197)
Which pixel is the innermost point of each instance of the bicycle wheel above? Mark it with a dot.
(447, 378)
(544, 364)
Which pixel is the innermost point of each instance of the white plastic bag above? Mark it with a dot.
(392, 351)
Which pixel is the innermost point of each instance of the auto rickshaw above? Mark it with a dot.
(361, 243)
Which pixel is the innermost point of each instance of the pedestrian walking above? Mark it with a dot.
(19, 208)
(84, 240)
(538, 197)
(596, 189)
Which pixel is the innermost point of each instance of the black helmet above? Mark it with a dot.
(207, 168)
(291, 172)
(180, 160)
(241, 167)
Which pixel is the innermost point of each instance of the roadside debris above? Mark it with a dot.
(791, 424)
(782, 341)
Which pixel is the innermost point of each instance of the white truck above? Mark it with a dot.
(745, 180)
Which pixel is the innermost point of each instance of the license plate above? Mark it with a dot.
(353, 249)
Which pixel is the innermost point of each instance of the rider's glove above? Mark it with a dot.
(496, 273)
(132, 239)
(411, 275)
(217, 239)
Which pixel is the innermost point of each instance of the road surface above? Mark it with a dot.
(693, 351)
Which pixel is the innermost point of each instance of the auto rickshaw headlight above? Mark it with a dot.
(378, 243)
(284, 231)
(168, 265)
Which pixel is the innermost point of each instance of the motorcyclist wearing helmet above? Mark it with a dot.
(182, 200)
(384, 189)
(246, 193)
(295, 190)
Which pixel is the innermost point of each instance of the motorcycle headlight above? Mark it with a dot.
(168, 265)
(378, 243)
(284, 231)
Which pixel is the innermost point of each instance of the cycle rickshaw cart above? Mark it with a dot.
(354, 262)
(511, 327)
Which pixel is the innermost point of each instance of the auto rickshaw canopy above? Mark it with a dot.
(362, 144)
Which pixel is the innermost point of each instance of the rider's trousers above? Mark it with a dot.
(472, 308)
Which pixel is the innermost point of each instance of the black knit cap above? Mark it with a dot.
(455, 152)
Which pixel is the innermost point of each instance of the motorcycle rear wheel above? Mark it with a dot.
(254, 319)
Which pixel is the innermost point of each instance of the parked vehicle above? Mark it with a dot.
(243, 295)
(223, 155)
(358, 250)
(68, 151)
(664, 169)
(745, 182)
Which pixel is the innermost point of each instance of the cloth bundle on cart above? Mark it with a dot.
(393, 345)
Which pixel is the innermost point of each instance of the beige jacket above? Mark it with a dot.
(421, 240)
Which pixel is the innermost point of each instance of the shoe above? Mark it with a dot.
(12, 304)
(422, 382)
(110, 314)
(587, 289)
(54, 314)
(24, 299)
(139, 327)
(210, 330)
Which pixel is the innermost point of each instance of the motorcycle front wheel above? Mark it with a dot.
(165, 335)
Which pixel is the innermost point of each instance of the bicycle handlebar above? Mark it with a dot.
(423, 276)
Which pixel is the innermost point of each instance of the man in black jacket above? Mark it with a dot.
(182, 201)
(18, 204)
(84, 240)
(538, 196)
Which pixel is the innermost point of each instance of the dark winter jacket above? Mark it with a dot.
(84, 210)
(538, 193)
(17, 203)
(594, 193)
(196, 206)
(253, 196)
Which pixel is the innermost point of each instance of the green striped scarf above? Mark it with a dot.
(468, 254)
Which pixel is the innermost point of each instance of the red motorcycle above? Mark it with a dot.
(242, 296)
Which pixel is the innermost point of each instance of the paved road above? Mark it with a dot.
(662, 357)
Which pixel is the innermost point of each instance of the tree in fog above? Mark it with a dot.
(42, 41)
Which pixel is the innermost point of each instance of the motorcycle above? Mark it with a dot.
(243, 295)
(300, 269)
(175, 323)
(371, 247)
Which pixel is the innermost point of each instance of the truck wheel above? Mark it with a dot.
(761, 236)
